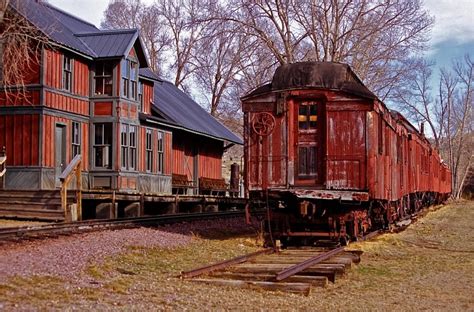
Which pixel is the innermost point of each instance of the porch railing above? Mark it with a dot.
(73, 169)
(3, 167)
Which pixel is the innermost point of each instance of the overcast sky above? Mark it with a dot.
(452, 36)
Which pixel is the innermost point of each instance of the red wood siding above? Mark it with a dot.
(168, 154)
(123, 110)
(85, 146)
(30, 70)
(178, 158)
(147, 97)
(20, 135)
(49, 125)
(132, 53)
(210, 159)
(346, 149)
(54, 72)
(103, 109)
(80, 80)
(66, 103)
(53, 69)
(30, 98)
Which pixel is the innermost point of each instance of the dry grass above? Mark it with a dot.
(6, 223)
(430, 266)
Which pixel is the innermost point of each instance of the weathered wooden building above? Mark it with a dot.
(91, 93)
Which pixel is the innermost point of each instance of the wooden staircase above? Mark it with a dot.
(39, 205)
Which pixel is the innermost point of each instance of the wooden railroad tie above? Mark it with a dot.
(290, 270)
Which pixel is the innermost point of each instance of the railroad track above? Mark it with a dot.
(288, 270)
(295, 270)
(67, 228)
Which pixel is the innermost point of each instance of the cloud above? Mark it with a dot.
(454, 20)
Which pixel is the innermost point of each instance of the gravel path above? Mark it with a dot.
(67, 256)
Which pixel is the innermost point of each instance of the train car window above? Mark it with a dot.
(307, 116)
(307, 160)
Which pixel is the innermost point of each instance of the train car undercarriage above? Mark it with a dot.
(300, 221)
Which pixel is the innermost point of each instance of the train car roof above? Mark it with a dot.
(324, 75)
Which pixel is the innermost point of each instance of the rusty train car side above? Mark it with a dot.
(331, 159)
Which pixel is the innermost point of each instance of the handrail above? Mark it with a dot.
(3, 168)
(65, 178)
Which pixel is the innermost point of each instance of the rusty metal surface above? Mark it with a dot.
(364, 148)
(330, 194)
(224, 264)
(306, 264)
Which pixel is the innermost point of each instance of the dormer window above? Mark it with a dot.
(103, 78)
(67, 73)
(129, 79)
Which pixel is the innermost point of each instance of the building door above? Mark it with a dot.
(309, 143)
(60, 152)
(190, 163)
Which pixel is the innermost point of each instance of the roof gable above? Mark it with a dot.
(79, 35)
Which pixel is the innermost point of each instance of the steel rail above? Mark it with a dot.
(89, 225)
(224, 264)
(292, 270)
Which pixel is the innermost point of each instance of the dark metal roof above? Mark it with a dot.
(110, 43)
(179, 108)
(327, 75)
(77, 34)
(148, 73)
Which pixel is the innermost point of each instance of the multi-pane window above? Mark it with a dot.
(124, 145)
(307, 116)
(160, 153)
(149, 150)
(102, 145)
(128, 146)
(133, 147)
(67, 73)
(125, 69)
(76, 138)
(134, 79)
(129, 79)
(140, 95)
(307, 161)
(103, 78)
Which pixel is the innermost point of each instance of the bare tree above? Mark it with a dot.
(218, 62)
(375, 37)
(270, 21)
(462, 139)
(449, 114)
(134, 14)
(20, 49)
(415, 99)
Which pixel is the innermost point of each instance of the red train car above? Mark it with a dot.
(330, 158)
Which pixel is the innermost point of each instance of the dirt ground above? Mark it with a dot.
(429, 266)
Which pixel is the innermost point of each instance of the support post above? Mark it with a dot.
(65, 178)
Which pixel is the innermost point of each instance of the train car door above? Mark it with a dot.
(309, 143)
